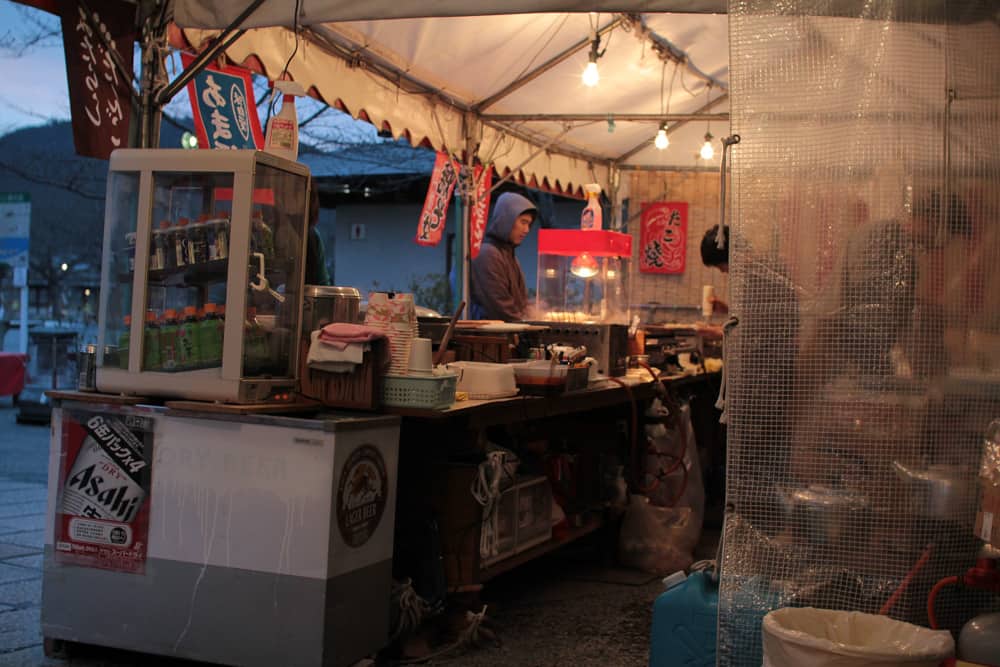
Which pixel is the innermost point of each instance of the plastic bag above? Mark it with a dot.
(809, 637)
(655, 539)
(669, 482)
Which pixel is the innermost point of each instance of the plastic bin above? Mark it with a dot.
(684, 622)
(808, 637)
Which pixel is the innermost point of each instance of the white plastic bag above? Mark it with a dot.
(808, 637)
(657, 539)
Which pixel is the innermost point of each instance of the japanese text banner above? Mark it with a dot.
(100, 96)
(663, 240)
(432, 218)
(480, 208)
(222, 103)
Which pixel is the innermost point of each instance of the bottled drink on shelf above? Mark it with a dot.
(188, 348)
(168, 340)
(261, 237)
(220, 236)
(197, 243)
(151, 344)
(210, 337)
(180, 242)
(123, 340)
(163, 249)
(130, 250)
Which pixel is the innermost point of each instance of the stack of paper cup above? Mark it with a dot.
(707, 295)
(395, 315)
(420, 357)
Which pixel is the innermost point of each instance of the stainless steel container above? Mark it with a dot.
(322, 304)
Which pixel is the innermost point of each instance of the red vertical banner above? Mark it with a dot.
(100, 96)
(432, 218)
(480, 208)
(105, 481)
(663, 237)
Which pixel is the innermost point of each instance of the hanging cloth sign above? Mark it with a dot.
(480, 208)
(100, 97)
(432, 218)
(225, 114)
(663, 239)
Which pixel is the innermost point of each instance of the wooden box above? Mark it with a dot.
(360, 390)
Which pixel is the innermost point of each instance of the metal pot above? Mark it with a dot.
(825, 516)
(939, 491)
(322, 304)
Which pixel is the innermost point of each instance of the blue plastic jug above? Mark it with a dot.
(684, 624)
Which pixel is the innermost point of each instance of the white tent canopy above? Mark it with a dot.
(508, 86)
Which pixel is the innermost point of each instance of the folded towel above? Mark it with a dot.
(333, 366)
(340, 334)
(321, 352)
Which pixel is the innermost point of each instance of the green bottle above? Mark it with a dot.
(168, 341)
(151, 344)
(188, 348)
(123, 343)
(210, 337)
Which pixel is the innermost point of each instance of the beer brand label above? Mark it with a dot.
(361, 495)
(102, 516)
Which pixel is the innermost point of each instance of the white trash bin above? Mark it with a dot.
(808, 637)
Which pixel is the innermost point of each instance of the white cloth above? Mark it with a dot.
(321, 353)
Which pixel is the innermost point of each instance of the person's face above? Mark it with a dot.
(522, 225)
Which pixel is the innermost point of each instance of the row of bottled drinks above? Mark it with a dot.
(191, 243)
(190, 339)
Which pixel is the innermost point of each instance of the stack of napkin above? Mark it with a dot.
(339, 347)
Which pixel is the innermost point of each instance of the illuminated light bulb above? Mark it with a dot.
(611, 274)
(707, 152)
(661, 141)
(590, 74)
(584, 266)
(550, 273)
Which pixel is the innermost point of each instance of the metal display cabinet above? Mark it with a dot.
(177, 316)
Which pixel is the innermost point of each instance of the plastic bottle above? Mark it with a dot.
(684, 621)
(151, 344)
(221, 249)
(210, 337)
(283, 130)
(197, 243)
(591, 216)
(130, 250)
(168, 340)
(188, 347)
(178, 243)
(123, 341)
(163, 248)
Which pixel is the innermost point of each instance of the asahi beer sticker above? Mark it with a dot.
(102, 517)
(361, 495)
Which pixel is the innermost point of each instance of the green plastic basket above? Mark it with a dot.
(415, 391)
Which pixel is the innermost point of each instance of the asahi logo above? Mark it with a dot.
(361, 495)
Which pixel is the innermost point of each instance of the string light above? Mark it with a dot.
(591, 77)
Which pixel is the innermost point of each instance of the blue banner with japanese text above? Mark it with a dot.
(222, 103)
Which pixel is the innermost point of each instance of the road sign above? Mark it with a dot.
(15, 228)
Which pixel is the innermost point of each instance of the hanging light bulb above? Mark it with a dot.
(591, 76)
(707, 152)
(661, 141)
(584, 266)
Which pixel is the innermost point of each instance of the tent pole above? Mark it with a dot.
(468, 196)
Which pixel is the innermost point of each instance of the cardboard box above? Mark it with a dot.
(988, 516)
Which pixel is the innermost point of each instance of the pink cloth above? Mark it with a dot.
(340, 334)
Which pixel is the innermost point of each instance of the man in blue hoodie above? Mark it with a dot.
(498, 290)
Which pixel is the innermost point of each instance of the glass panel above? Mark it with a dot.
(188, 264)
(582, 288)
(123, 208)
(278, 224)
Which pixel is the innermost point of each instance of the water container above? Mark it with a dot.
(684, 621)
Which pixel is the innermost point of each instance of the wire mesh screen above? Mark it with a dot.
(865, 274)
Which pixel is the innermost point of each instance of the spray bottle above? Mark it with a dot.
(282, 137)
(591, 216)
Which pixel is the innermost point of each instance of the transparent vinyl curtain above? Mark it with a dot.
(865, 274)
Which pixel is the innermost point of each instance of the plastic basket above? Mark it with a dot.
(414, 391)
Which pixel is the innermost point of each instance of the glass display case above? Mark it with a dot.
(178, 317)
(583, 276)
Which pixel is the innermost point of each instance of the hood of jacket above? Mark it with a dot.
(509, 205)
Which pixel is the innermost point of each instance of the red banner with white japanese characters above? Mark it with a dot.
(223, 107)
(663, 240)
(480, 208)
(432, 218)
(105, 481)
(100, 95)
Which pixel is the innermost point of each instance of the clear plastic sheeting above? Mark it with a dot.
(865, 274)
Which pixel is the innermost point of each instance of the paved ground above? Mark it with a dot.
(557, 611)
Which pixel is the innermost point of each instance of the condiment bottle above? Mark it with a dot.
(151, 360)
(123, 342)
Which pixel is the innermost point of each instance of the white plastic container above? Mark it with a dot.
(590, 218)
(282, 136)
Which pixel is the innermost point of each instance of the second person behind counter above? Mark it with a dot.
(498, 288)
